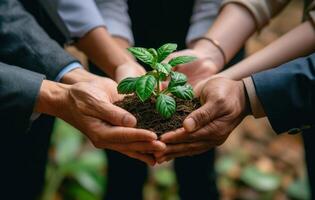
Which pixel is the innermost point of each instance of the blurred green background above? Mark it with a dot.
(249, 166)
(253, 163)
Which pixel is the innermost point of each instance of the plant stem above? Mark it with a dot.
(158, 84)
(166, 91)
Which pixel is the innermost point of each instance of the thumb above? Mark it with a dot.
(116, 115)
(199, 118)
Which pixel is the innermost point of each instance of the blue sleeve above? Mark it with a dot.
(287, 94)
(67, 69)
(204, 13)
(116, 18)
(74, 18)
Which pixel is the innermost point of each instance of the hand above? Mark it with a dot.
(224, 107)
(128, 69)
(88, 107)
(207, 64)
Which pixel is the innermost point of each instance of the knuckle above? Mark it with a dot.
(202, 115)
(220, 100)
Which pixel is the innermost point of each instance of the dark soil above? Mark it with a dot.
(148, 118)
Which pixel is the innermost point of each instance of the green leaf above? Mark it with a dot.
(87, 181)
(145, 86)
(68, 141)
(142, 54)
(165, 177)
(185, 92)
(177, 79)
(162, 77)
(259, 180)
(153, 52)
(165, 105)
(225, 164)
(166, 50)
(299, 190)
(155, 57)
(127, 86)
(181, 60)
(164, 68)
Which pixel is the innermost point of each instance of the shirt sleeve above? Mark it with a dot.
(67, 69)
(116, 18)
(74, 18)
(255, 104)
(261, 10)
(204, 13)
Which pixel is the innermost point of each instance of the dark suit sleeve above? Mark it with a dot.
(287, 94)
(23, 42)
(18, 93)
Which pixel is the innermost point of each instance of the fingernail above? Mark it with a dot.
(189, 124)
(129, 120)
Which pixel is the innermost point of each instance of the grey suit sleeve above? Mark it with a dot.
(204, 13)
(116, 18)
(74, 18)
(19, 89)
(23, 42)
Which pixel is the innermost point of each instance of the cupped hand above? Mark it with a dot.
(89, 107)
(207, 63)
(197, 70)
(224, 107)
(128, 69)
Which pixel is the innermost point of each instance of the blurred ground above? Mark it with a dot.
(254, 163)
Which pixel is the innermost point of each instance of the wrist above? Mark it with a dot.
(77, 75)
(210, 51)
(246, 101)
(51, 97)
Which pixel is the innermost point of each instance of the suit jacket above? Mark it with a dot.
(18, 92)
(287, 94)
(25, 44)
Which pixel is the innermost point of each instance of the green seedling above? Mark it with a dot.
(148, 85)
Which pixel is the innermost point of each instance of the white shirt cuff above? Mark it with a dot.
(67, 69)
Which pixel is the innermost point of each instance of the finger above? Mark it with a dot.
(199, 86)
(182, 136)
(200, 117)
(143, 147)
(185, 148)
(177, 136)
(148, 159)
(116, 115)
(169, 157)
(118, 134)
(170, 57)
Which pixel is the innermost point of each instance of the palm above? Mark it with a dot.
(196, 71)
(130, 69)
